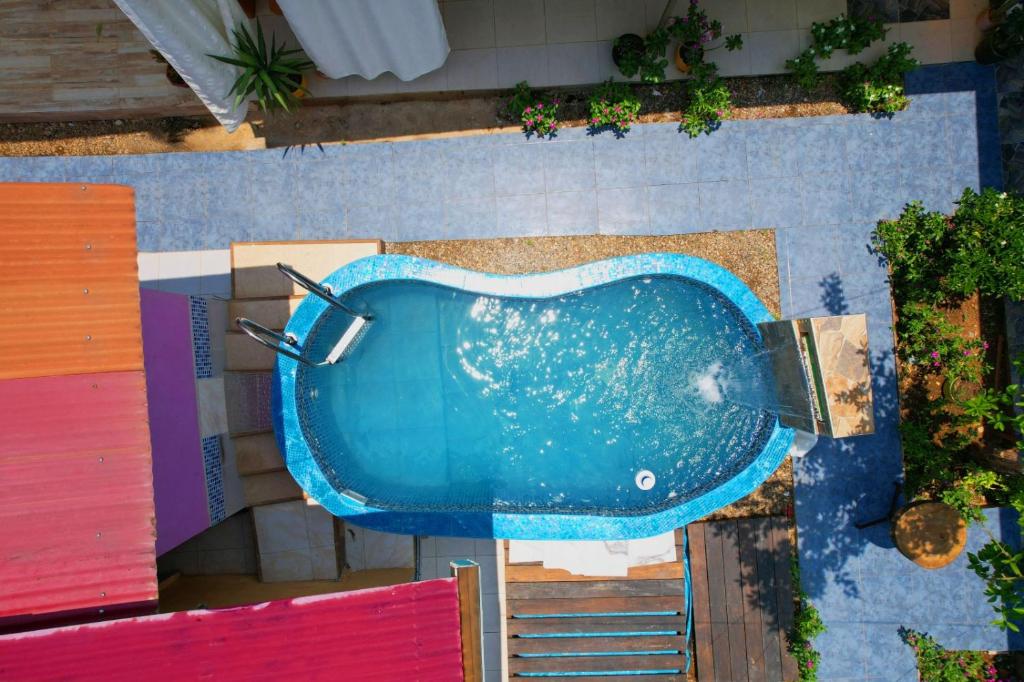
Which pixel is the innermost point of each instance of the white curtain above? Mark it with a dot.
(185, 32)
(369, 37)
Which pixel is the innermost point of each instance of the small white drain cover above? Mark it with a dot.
(645, 479)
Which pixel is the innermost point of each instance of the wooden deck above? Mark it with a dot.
(743, 601)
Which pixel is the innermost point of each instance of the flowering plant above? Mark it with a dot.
(694, 31)
(878, 88)
(934, 662)
(613, 105)
(807, 625)
(852, 34)
(709, 101)
(538, 116)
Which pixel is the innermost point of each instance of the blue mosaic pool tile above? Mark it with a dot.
(674, 209)
(518, 169)
(200, 321)
(569, 166)
(572, 212)
(725, 205)
(524, 214)
(619, 162)
(826, 198)
(214, 478)
(775, 202)
(468, 172)
(470, 218)
(622, 211)
(670, 156)
(722, 155)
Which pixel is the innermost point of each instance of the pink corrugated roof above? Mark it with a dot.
(76, 492)
(404, 632)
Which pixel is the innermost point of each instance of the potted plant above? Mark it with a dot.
(1004, 40)
(173, 76)
(645, 56)
(274, 76)
(627, 51)
(693, 33)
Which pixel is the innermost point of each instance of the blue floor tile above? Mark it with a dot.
(822, 148)
(470, 218)
(569, 165)
(725, 205)
(416, 220)
(826, 198)
(776, 202)
(674, 209)
(722, 155)
(670, 157)
(468, 172)
(619, 162)
(923, 143)
(518, 169)
(572, 212)
(773, 152)
(622, 211)
(870, 147)
(525, 215)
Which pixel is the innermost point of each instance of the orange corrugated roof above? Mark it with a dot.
(69, 280)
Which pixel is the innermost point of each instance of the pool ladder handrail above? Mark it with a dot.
(259, 333)
(321, 290)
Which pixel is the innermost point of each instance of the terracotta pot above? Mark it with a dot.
(301, 90)
(956, 390)
(685, 59)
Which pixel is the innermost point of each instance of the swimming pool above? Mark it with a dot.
(617, 399)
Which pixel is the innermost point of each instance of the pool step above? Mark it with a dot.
(272, 313)
(245, 355)
(269, 488)
(254, 271)
(257, 454)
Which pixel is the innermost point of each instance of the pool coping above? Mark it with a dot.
(303, 467)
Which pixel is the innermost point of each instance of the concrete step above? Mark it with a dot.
(270, 487)
(272, 313)
(254, 271)
(244, 354)
(247, 397)
(257, 454)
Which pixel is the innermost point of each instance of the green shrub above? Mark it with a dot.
(852, 34)
(926, 466)
(964, 493)
(807, 625)
(988, 245)
(650, 62)
(805, 69)
(709, 101)
(614, 105)
(538, 116)
(914, 246)
(928, 339)
(937, 664)
(878, 88)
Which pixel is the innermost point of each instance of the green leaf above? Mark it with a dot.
(261, 44)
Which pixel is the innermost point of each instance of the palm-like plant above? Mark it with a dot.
(274, 76)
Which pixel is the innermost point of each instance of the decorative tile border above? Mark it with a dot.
(201, 336)
(214, 478)
(315, 481)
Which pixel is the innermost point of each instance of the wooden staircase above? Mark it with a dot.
(627, 629)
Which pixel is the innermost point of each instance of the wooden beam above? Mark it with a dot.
(701, 608)
(467, 573)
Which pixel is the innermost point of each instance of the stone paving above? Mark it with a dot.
(821, 182)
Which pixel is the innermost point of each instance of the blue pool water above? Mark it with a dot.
(458, 401)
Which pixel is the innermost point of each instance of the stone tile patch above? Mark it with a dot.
(841, 343)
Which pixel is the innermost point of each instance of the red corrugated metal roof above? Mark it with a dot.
(76, 492)
(400, 633)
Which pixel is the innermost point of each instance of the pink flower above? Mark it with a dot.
(540, 105)
(720, 113)
(984, 344)
(527, 110)
(810, 663)
(557, 102)
(935, 353)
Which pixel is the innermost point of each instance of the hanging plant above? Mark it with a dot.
(274, 77)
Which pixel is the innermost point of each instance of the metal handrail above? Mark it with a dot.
(317, 289)
(259, 333)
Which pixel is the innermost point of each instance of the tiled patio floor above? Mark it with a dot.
(822, 182)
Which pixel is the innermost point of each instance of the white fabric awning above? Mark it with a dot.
(185, 32)
(369, 37)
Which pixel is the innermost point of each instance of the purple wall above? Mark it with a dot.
(179, 482)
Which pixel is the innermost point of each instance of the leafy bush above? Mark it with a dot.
(926, 465)
(928, 339)
(650, 62)
(965, 492)
(852, 34)
(937, 664)
(695, 31)
(988, 245)
(709, 101)
(939, 259)
(538, 116)
(1002, 569)
(613, 105)
(807, 625)
(879, 88)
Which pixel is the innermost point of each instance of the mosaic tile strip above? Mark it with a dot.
(247, 397)
(201, 336)
(214, 478)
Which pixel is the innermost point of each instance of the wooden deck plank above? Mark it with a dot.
(701, 609)
(782, 551)
(751, 591)
(630, 678)
(549, 645)
(593, 605)
(716, 601)
(583, 590)
(521, 626)
(517, 664)
(733, 598)
(766, 599)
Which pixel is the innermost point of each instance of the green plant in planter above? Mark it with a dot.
(852, 34)
(807, 625)
(928, 339)
(613, 105)
(273, 76)
(648, 61)
(987, 245)
(1004, 40)
(709, 101)
(537, 115)
(878, 88)
(938, 664)
(695, 32)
